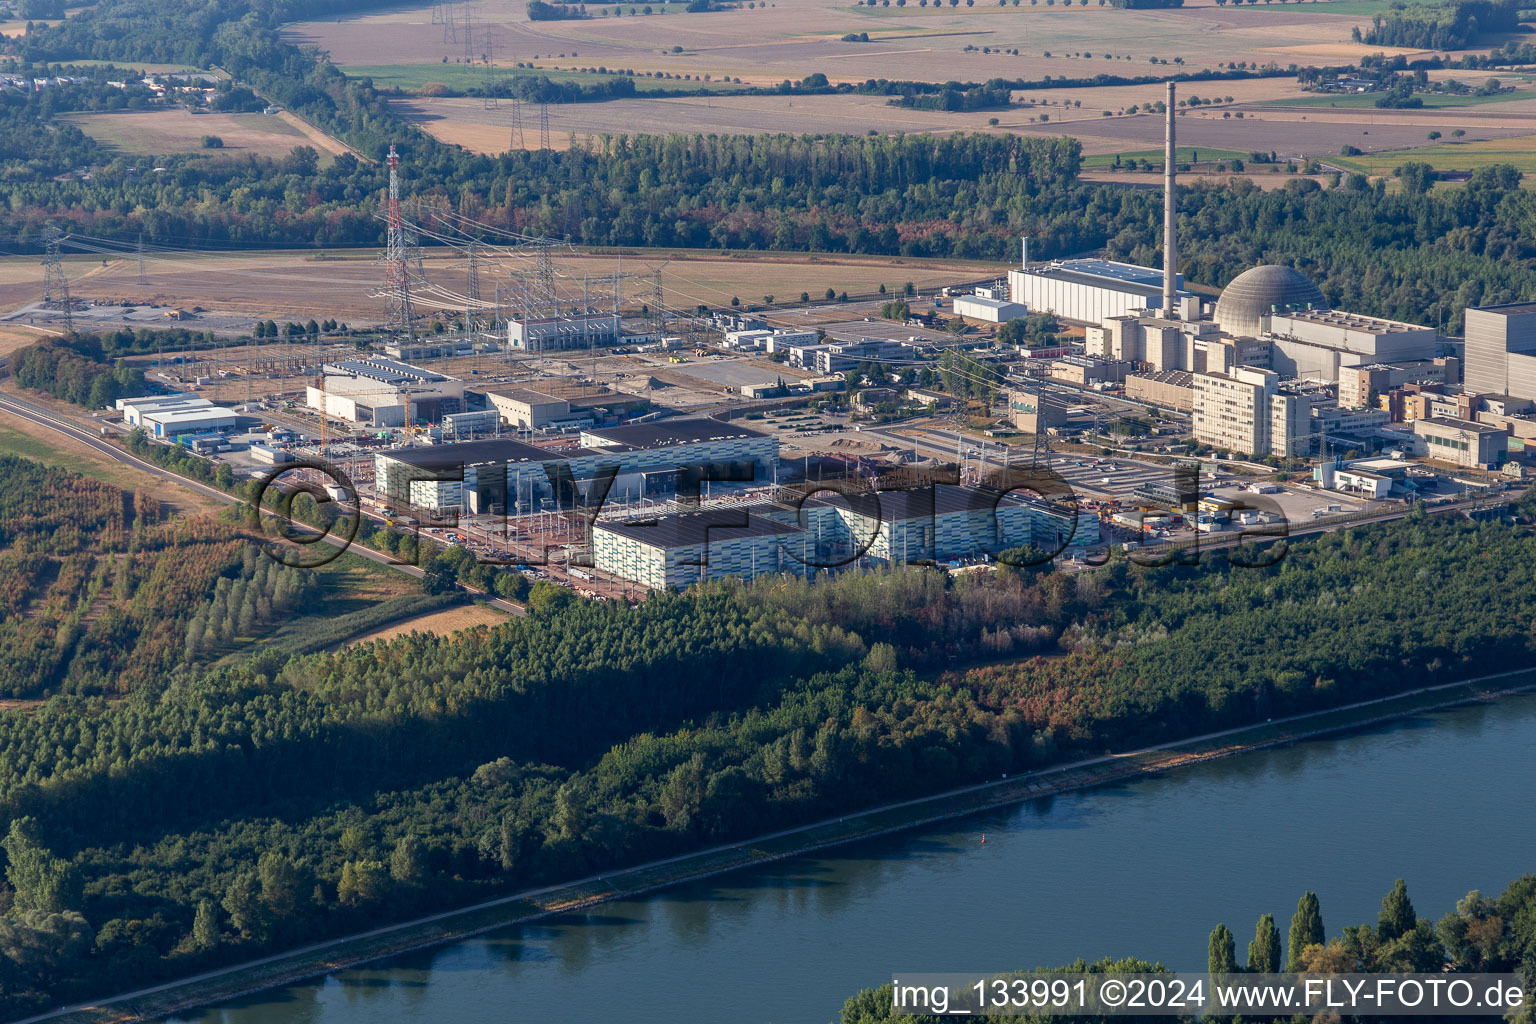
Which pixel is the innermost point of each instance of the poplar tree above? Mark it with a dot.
(1264, 950)
(1222, 957)
(1306, 929)
(1397, 917)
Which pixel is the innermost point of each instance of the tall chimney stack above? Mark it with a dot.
(1170, 209)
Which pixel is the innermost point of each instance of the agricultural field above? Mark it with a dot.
(1234, 128)
(789, 39)
(160, 132)
(1453, 156)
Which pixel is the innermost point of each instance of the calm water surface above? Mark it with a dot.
(1138, 869)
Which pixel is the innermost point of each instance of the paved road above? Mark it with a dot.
(63, 425)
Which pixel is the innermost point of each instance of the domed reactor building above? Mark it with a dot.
(1256, 293)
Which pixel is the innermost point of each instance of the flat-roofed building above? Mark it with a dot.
(1089, 290)
(1248, 412)
(1316, 343)
(1500, 351)
(1462, 442)
(175, 421)
(629, 461)
(135, 409)
(1032, 412)
(526, 409)
(559, 333)
(1358, 382)
(1086, 370)
(1170, 389)
(988, 310)
(690, 547)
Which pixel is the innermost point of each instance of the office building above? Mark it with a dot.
(690, 547)
(1247, 411)
(1031, 412)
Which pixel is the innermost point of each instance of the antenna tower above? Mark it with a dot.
(397, 268)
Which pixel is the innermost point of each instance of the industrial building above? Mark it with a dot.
(987, 308)
(1091, 291)
(1358, 383)
(842, 356)
(1462, 442)
(559, 333)
(469, 425)
(1032, 412)
(173, 415)
(1249, 412)
(1085, 371)
(507, 474)
(1261, 291)
(1317, 344)
(375, 392)
(1500, 353)
(526, 409)
(689, 547)
(1170, 389)
(915, 526)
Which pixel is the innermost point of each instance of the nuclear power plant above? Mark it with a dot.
(1269, 368)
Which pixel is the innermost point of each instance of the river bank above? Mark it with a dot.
(321, 959)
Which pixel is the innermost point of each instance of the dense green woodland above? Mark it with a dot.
(238, 806)
(1495, 935)
(1421, 254)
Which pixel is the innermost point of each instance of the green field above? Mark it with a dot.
(1182, 154)
(1456, 156)
(1432, 101)
(465, 77)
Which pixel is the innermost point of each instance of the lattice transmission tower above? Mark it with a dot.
(55, 284)
(397, 262)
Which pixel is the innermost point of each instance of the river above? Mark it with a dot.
(1135, 869)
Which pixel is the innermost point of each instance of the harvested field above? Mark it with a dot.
(159, 132)
(1299, 131)
(449, 620)
(795, 38)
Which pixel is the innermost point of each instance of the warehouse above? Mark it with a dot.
(135, 409)
(526, 409)
(988, 310)
(173, 422)
(1091, 291)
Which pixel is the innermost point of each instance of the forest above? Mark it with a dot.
(1452, 26)
(265, 801)
(1483, 934)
